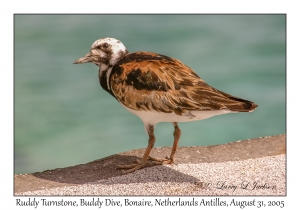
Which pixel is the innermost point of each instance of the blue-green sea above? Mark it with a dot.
(62, 116)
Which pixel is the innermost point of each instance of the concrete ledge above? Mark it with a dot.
(105, 168)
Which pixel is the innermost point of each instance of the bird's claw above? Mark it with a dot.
(160, 161)
(135, 166)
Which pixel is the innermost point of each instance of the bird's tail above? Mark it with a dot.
(241, 105)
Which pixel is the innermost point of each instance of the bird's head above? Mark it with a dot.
(104, 53)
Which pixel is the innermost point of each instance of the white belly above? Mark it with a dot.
(155, 117)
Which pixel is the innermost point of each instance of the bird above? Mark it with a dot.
(157, 88)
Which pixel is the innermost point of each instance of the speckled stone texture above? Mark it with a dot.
(247, 167)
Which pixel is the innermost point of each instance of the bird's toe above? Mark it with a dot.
(160, 161)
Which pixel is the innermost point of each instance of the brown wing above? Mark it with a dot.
(149, 81)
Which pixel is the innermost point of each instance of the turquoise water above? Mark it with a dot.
(63, 117)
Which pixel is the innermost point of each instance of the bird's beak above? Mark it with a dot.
(85, 59)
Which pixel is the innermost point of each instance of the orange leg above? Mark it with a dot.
(177, 133)
(170, 160)
(143, 162)
(148, 160)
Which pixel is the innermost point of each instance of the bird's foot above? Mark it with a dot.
(135, 166)
(140, 164)
(160, 161)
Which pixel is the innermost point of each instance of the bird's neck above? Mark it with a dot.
(104, 74)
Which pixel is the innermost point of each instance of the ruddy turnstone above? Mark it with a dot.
(157, 88)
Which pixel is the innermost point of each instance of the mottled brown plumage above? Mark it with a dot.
(152, 82)
(158, 88)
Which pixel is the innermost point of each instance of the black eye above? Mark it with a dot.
(105, 45)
